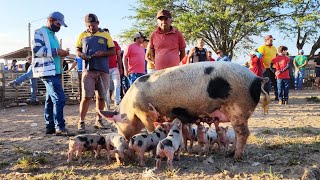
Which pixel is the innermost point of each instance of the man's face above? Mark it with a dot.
(210, 54)
(269, 42)
(164, 22)
(219, 53)
(92, 27)
(201, 43)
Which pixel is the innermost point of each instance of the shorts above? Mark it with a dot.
(95, 81)
(317, 72)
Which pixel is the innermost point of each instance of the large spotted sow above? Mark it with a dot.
(223, 91)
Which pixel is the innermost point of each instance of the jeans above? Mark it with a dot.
(134, 76)
(33, 82)
(283, 89)
(115, 78)
(272, 80)
(54, 104)
(298, 79)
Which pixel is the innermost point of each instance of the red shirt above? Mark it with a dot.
(167, 47)
(280, 62)
(135, 54)
(256, 66)
(211, 59)
(113, 59)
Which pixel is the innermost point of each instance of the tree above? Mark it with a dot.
(300, 21)
(222, 23)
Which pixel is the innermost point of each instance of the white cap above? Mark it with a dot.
(138, 35)
(301, 51)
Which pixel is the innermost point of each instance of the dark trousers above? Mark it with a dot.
(272, 82)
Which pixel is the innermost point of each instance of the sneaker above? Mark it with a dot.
(99, 125)
(280, 102)
(13, 84)
(285, 102)
(81, 127)
(50, 131)
(64, 132)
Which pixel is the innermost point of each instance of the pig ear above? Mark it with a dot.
(179, 124)
(227, 128)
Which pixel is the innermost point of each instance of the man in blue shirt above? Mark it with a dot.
(221, 56)
(47, 58)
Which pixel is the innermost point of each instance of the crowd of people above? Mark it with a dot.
(103, 70)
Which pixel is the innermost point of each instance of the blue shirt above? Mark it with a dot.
(79, 63)
(54, 43)
(223, 58)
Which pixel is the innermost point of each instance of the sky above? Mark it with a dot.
(16, 14)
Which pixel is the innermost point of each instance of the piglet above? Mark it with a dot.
(226, 137)
(172, 144)
(118, 146)
(207, 137)
(86, 142)
(144, 142)
(189, 132)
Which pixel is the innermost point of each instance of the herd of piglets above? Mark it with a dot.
(167, 140)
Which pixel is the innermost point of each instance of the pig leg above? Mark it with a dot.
(242, 134)
(70, 155)
(97, 151)
(117, 155)
(169, 155)
(141, 156)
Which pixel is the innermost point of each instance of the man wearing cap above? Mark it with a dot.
(133, 59)
(268, 52)
(167, 44)
(299, 63)
(221, 56)
(47, 48)
(94, 46)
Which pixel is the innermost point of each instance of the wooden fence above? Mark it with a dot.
(10, 96)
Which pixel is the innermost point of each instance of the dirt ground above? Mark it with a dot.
(284, 144)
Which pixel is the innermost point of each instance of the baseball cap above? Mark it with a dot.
(267, 37)
(59, 17)
(90, 18)
(252, 53)
(138, 35)
(301, 51)
(163, 12)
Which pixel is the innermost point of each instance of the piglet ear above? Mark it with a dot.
(227, 128)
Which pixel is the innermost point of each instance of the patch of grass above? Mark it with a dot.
(294, 162)
(31, 163)
(313, 99)
(171, 172)
(306, 130)
(274, 146)
(68, 171)
(266, 131)
(256, 139)
(22, 150)
(270, 174)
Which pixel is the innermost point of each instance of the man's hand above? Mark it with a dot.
(125, 73)
(277, 73)
(84, 56)
(99, 54)
(63, 53)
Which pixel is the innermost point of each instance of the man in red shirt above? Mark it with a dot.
(115, 69)
(133, 59)
(167, 44)
(281, 70)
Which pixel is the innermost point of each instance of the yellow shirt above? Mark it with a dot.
(268, 53)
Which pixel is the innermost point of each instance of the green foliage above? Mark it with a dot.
(222, 23)
(301, 21)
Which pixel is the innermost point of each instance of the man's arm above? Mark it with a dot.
(182, 53)
(118, 53)
(190, 55)
(40, 50)
(125, 62)
(149, 56)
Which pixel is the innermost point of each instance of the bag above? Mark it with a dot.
(43, 66)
